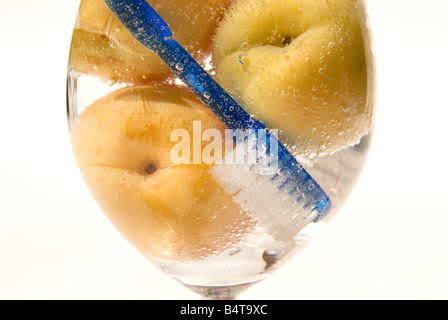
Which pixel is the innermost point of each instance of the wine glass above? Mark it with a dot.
(164, 166)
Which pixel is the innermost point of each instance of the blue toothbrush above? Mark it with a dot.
(298, 198)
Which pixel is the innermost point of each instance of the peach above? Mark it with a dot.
(122, 145)
(103, 47)
(300, 66)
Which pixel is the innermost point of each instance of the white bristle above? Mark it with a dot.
(273, 203)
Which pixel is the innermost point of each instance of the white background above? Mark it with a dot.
(389, 242)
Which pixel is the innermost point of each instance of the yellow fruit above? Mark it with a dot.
(301, 66)
(122, 145)
(102, 46)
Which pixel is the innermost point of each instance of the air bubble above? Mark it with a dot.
(243, 58)
(180, 66)
(234, 251)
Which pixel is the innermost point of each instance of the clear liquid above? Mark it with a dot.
(258, 254)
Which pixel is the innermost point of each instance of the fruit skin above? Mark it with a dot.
(300, 66)
(103, 47)
(122, 145)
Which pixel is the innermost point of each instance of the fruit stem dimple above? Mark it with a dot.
(287, 40)
(150, 169)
